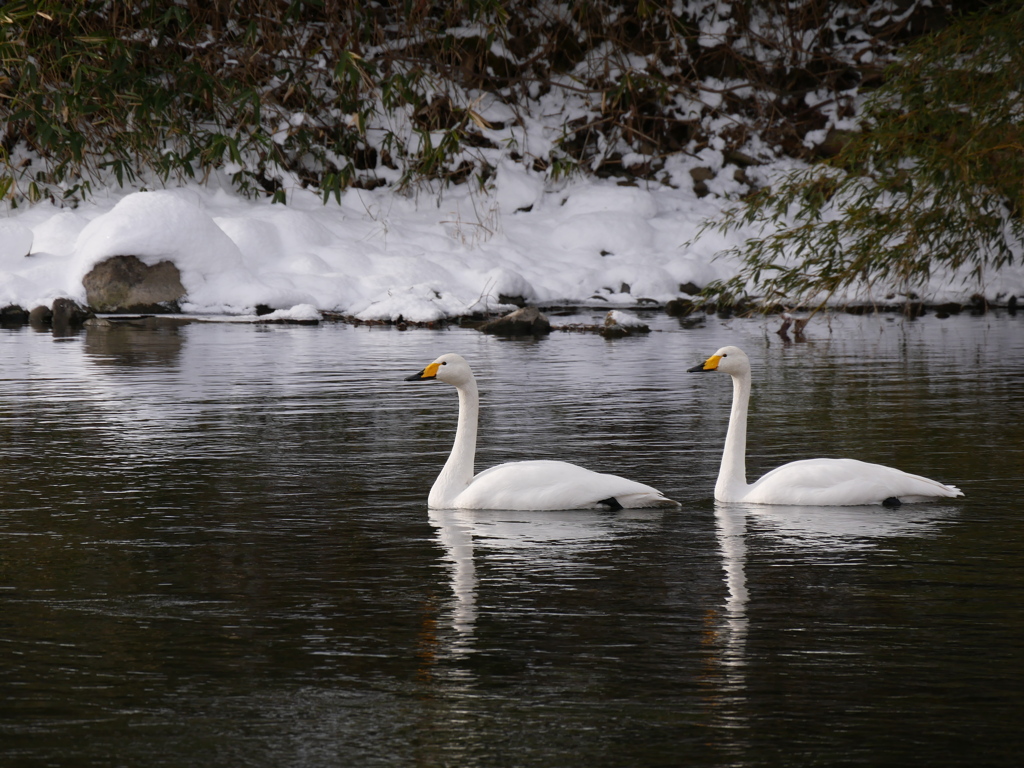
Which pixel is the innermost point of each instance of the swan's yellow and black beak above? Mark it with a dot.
(711, 364)
(430, 372)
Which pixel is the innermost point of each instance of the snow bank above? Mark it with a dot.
(379, 255)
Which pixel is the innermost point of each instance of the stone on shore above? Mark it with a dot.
(125, 284)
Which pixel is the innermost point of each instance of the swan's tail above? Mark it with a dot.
(936, 491)
(646, 500)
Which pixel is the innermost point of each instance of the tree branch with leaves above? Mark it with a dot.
(934, 183)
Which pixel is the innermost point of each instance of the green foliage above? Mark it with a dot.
(142, 91)
(934, 183)
(328, 94)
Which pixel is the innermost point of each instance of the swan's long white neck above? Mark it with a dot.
(458, 470)
(732, 476)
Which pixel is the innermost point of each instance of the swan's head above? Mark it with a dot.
(731, 360)
(451, 369)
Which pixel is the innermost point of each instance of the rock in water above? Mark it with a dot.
(528, 321)
(68, 314)
(41, 315)
(618, 324)
(12, 314)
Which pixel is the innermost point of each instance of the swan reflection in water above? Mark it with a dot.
(844, 529)
(731, 529)
(516, 543)
(519, 553)
(808, 532)
(455, 534)
(790, 534)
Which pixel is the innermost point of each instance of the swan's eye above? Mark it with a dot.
(445, 363)
(724, 355)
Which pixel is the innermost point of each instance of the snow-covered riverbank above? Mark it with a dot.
(379, 255)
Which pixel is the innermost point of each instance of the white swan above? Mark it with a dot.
(520, 485)
(821, 482)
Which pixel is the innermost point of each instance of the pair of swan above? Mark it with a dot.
(541, 485)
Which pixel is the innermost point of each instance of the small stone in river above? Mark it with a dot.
(528, 321)
(68, 314)
(679, 308)
(41, 315)
(618, 324)
(12, 314)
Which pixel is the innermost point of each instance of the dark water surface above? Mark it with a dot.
(215, 551)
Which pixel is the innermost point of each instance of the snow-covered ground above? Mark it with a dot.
(379, 255)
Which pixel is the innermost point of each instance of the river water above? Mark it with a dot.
(215, 550)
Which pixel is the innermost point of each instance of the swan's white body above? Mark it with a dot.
(520, 485)
(820, 482)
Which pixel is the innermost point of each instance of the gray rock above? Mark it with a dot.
(40, 315)
(12, 314)
(614, 331)
(528, 321)
(701, 177)
(68, 314)
(835, 142)
(691, 288)
(125, 284)
(679, 308)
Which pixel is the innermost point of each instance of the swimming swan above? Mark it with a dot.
(821, 482)
(520, 485)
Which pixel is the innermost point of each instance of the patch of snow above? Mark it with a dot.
(15, 241)
(625, 319)
(299, 312)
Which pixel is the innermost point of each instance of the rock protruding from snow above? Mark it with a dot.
(172, 226)
(125, 284)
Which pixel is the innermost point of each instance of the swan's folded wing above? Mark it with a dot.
(828, 482)
(537, 485)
